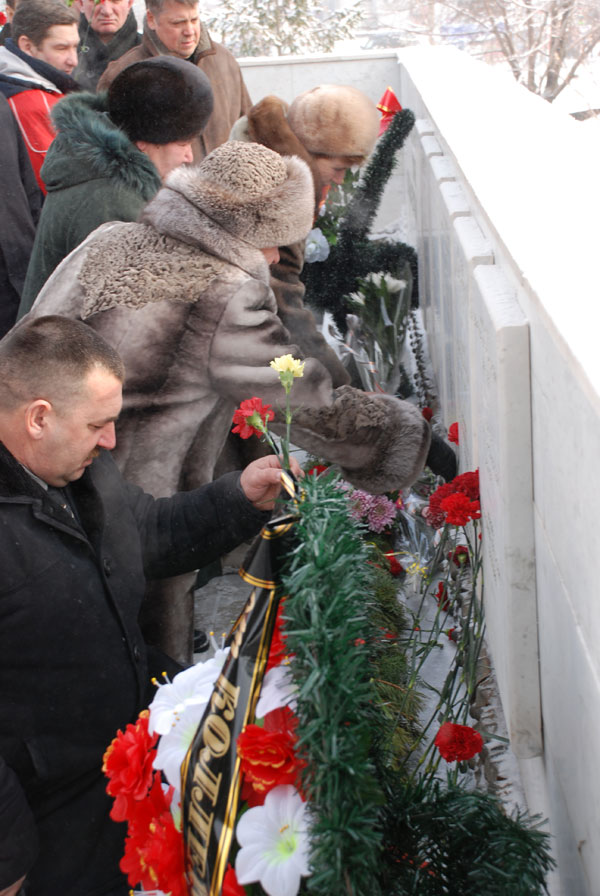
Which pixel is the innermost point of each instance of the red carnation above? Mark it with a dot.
(427, 413)
(2, 18)
(249, 416)
(154, 854)
(231, 887)
(127, 763)
(267, 754)
(458, 742)
(460, 555)
(441, 596)
(466, 483)
(316, 470)
(459, 509)
(453, 433)
(396, 567)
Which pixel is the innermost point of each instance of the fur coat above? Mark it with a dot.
(190, 309)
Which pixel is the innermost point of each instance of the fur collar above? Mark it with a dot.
(89, 146)
(145, 267)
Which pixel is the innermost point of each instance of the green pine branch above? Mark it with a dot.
(447, 840)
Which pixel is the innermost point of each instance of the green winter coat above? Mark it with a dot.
(93, 174)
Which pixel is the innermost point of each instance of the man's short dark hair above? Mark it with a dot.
(50, 357)
(35, 18)
(156, 6)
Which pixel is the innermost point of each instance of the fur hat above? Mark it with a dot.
(160, 100)
(333, 120)
(251, 192)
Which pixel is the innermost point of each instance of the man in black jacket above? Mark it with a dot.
(76, 542)
(107, 31)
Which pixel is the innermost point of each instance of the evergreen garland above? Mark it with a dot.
(375, 832)
(354, 255)
(325, 623)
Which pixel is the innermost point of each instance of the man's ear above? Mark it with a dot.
(36, 418)
(151, 19)
(78, 5)
(26, 45)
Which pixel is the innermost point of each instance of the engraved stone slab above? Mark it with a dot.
(501, 411)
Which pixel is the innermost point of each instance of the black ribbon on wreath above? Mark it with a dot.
(210, 774)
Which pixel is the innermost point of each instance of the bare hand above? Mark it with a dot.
(12, 890)
(261, 481)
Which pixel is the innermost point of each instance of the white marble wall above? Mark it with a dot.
(506, 195)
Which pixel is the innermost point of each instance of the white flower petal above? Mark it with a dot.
(277, 691)
(193, 685)
(173, 746)
(274, 841)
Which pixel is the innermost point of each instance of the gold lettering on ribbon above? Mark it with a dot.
(216, 737)
(206, 780)
(199, 833)
(225, 698)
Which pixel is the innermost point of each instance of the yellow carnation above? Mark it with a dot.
(288, 364)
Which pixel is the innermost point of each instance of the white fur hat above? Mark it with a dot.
(252, 192)
(335, 120)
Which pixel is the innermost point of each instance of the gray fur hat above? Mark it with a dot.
(160, 100)
(251, 192)
(335, 120)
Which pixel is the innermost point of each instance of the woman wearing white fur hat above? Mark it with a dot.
(184, 296)
(332, 127)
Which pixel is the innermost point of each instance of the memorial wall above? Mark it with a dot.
(501, 192)
(504, 195)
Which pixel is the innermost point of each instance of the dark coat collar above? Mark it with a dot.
(90, 41)
(15, 482)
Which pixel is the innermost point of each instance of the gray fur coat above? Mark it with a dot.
(189, 308)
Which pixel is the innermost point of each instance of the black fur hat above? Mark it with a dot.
(160, 100)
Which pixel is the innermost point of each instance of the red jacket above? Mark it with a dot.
(31, 109)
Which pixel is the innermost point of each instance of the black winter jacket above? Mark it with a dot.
(73, 666)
